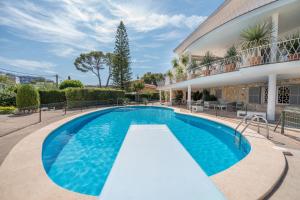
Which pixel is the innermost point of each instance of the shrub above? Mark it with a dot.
(70, 84)
(7, 109)
(52, 96)
(7, 98)
(130, 96)
(148, 96)
(92, 96)
(27, 98)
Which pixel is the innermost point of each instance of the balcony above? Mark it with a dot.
(283, 51)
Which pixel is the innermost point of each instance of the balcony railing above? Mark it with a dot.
(283, 51)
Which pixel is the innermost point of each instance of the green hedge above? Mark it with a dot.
(7, 98)
(7, 109)
(27, 98)
(70, 84)
(92, 96)
(52, 96)
(150, 96)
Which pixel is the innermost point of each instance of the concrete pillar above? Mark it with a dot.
(159, 96)
(189, 100)
(184, 97)
(271, 108)
(170, 96)
(274, 36)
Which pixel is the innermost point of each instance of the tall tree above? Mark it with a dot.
(121, 72)
(92, 61)
(109, 63)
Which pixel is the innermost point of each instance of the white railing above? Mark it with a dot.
(283, 51)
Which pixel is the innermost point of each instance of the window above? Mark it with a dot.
(219, 93)
(295, 94)
(265, 95)
(255, 95)
(283, 95)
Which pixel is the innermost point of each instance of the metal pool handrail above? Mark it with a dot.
(253, 118)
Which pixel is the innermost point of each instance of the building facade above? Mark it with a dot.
(265, 76)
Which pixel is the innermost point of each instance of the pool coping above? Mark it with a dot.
(22, 173)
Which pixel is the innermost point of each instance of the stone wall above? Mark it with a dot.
(239, 93)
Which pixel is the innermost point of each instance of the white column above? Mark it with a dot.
(274, 36)
(170, 96)
(159, 96)
(189, 100)
(190, 62)
(271, 97)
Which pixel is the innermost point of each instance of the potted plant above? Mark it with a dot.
(170, 75)
(207, 62)
(191, 68)
(293, 47)
(230, 59)
(253, 37)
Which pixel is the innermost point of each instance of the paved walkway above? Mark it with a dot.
(8, 141)
(152, 164)
(288, 188)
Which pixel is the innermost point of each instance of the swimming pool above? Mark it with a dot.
(79, 155)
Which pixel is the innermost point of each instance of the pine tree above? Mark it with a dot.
(121, 72)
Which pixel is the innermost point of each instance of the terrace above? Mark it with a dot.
(280, 52)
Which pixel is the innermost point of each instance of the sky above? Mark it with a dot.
(45, 36)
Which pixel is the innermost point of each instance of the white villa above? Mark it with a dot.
(266, 76)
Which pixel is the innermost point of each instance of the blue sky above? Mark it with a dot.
(45, 36)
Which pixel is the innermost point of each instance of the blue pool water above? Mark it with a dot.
(79, 155)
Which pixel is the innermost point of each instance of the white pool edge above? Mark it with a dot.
(22, 173)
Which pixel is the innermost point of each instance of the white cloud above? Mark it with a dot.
(151, 57)
(143, 18)
(63, 51)
(142, 67)
(31, 65)
(82, 24)
(168, 36)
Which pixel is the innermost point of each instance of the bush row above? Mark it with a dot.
(52, 96)
(28, 98)
(149, 96)
(96, 95)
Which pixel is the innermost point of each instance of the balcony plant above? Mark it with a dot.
(293, 46)
(180, 75)
(170, 75)
(192, 67)
(230, 59)
(207, 60)
(254, 37)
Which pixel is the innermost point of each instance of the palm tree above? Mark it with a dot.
(207, 60)
(170, 75)
(179, 72)
(184, 60)
(257, 35)
(175, 63)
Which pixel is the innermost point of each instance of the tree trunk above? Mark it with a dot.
(99, 78)
(108, 78)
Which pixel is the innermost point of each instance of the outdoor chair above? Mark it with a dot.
(210, 104)
(222, 104)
